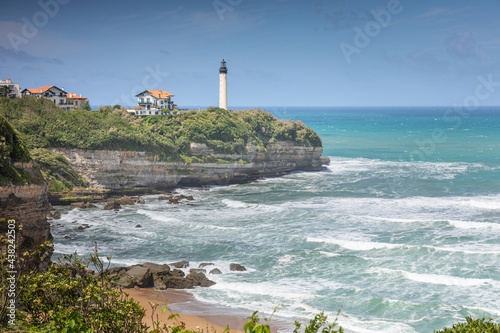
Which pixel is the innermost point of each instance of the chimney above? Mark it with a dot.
(62, 88)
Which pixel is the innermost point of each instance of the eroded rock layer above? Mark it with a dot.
(125, 170)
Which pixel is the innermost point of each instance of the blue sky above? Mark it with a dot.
(278, 52)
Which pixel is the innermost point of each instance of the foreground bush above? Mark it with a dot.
(68, 296)
(473, 325)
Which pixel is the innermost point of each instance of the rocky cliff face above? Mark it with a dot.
(125, 170)
(28, 206)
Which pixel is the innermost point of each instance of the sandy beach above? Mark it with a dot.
(194, 313)
(184, 301)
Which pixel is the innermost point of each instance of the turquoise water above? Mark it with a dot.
(401, 231)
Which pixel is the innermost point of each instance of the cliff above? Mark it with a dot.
(23, 198)
(130, 170)
(116, 151)
(28, 205)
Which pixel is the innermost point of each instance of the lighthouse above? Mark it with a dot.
(223, 85)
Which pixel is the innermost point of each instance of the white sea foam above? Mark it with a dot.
(447, 280)
(423, 170)
(234, 203)
(355, 245)
(329, 254)
(496, 312)
(475, 225)
(397, 220)
(484, 250)
(367, 246)
(356, 325)
(286, 289)
(488, 203)
(286, 259)
(158, 216)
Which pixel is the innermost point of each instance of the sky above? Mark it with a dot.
(278, 52)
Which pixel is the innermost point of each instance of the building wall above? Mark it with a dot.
(54, 95)
(14, 86)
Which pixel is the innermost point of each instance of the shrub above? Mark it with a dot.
(473, 325)
(58, 169)
(320, 322)
(67, 295)
(13, 149)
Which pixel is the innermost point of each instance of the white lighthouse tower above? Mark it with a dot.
(223, 85)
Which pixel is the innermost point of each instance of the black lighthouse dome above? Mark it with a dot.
(223, 69)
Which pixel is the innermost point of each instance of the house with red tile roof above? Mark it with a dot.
(76, 101)
(155, 100)
(65, 101)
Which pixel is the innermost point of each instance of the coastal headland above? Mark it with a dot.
(110, 151)
(83, 156)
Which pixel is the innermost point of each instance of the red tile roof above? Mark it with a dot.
(74, 96)
(39, 90)
(160, 94)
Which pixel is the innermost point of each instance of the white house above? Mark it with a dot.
(65, 101)
(16, 90)
(75, 101)
(155, 100)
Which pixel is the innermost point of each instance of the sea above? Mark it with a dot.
(401, 232)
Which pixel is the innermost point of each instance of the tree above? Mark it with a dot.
(86, 106)
(5, 91)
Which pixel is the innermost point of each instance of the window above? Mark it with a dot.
(142, 100)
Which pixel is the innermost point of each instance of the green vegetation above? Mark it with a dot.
(319, 322)
(12, 150)
(5, 91)
(44, 125)
(57, 168)
(53, 166)
(67, 297)
(473, 325)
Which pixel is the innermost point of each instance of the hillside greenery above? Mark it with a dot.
(44, 125)
(13, 149)
(479, 325)
(57, 168)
